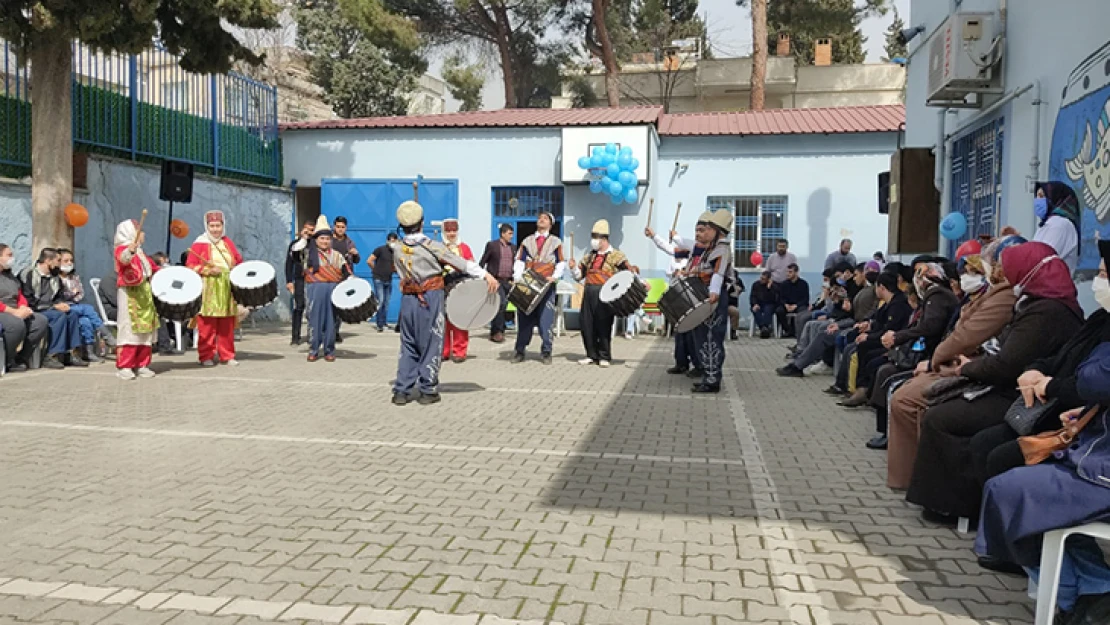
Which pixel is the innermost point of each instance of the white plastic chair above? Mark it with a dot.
(95, 284)
(1052, 556)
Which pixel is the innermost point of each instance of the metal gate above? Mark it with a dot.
(519, 207)
(977, 180)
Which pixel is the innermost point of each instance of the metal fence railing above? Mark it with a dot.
(146, 108)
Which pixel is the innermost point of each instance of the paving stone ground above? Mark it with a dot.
(288, 491)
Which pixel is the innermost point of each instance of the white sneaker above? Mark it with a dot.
(232, 363)
(628, 336)
(604, 364)
(586, 361)
(818, 368)
(145, 372)
(125, 374)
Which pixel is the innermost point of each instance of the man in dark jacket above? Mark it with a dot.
(42, 287)
(497, 259)
(764, 299)
(294, 277)
(343, 244)
(893, 317)
(793, 300)
(20, 324)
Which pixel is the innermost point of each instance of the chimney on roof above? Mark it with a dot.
(783, 48)
(822, 52)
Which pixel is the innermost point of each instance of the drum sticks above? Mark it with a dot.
(140, 226)
(415, 191)
(651, 207)
(674, 226)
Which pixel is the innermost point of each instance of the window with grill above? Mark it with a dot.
(528, 202)
(759, 221)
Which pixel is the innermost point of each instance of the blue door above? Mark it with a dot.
(370, 207)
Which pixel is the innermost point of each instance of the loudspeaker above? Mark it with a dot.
(177, 182)
(884, 193)
(914, 205)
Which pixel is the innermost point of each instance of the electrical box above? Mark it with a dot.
(964, 57)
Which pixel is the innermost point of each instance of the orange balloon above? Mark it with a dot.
(179, 229)
(76, 215)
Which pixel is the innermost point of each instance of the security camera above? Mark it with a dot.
(907, 34)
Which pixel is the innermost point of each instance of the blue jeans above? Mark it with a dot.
(764, 316)
(65, 331)
(88, 320)
(383, 289)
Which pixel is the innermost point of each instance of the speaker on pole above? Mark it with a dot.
(884, 193)
(177, 182)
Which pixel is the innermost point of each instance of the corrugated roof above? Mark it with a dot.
(504, 118)
(851, 119)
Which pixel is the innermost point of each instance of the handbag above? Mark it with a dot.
(1038, 448)
(1022, 419)
(946, 389)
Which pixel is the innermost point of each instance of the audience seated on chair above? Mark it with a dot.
(93, 334)
(763, 301)
(735, 290)
(42, 287)
(22, 326)
(793, 300)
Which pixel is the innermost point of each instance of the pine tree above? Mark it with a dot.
(895, 48)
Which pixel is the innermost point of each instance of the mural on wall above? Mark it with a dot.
(1080, 152)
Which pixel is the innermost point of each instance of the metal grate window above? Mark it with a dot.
(977, 179)
(527, 202)
(760, 221)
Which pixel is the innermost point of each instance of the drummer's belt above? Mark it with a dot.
(597, 278)
(412, 287)
(544, 269)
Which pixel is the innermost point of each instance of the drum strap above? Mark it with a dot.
(412, 287)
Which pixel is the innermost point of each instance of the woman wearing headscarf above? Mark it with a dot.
(213, 256)
(136, 318)
(1070, 488)
(1047, 314)
(324, 268)
(1057, 208)
(982, 318)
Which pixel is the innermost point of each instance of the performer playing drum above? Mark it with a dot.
(456, 341)
(213, 256)
(599, 264)
(685, 352)
(323, 269)
(541, 252)
(420, 263)
(714, 268)
(136, 318)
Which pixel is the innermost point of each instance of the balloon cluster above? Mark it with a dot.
(619, 179)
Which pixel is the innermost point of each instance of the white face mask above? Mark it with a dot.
(6, 262)
(1101, 288)
(66, 268)
(595, 244)
(970, 282)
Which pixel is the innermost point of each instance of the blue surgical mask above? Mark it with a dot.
(1040, 207)
(841, 281)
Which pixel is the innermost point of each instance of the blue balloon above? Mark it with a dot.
(626, 150)
(616, 199)
(584, 162)
(624, 161)
(597, 161)
(954, 226)
(627, 179)
(597, 151)
(634, 165)
(595, 186)
(631, 196)
(613, 170)
(608, 158)
(615, 188)
(611, 148)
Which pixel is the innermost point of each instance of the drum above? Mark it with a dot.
(623, 293)
(527, 294)
(686, 304)
(471, 306)
(177, 293)
(353, 300)
(254, 284)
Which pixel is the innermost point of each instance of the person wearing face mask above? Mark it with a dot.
(1046, 316)
(92, 326)
(602, 262)
(1057, 208)
(213, 256)
(22, 325)
(42, 286)
(987, 311)
(542, 252)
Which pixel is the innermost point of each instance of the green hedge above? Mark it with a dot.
(102, 125)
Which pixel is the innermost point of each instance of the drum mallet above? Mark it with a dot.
(139, 228)
(674, 226)
(416, 191)
(651, 207)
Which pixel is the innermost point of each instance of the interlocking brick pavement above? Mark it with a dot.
(287, 491)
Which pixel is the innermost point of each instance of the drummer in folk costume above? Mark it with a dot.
(601, 263)
(136, 317)
(456, 341)
(685, 351)
(213, 256)
(714, 268)
(421, 262)
(541, 252)
(324, 267)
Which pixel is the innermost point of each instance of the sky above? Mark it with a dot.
(730, 35)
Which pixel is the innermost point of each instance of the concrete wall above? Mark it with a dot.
(1077, 31)
(258, 218)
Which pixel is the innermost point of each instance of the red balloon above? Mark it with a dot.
(968, 248)
(756, 258)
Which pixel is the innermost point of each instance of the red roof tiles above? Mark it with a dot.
(850, 119)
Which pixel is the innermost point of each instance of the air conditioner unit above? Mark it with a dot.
(963, 60)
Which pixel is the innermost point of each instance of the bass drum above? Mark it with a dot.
(178, 292)
(686, 304)
(527, 294)
(471, 306)
(254, 284)
(623, 293)
(353, 300)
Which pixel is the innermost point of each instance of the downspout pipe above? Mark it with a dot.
(939, 166)
(1035, 157)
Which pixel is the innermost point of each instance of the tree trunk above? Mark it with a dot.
(507, 71)
(51, 141)
(608, 55)
(759, 54)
